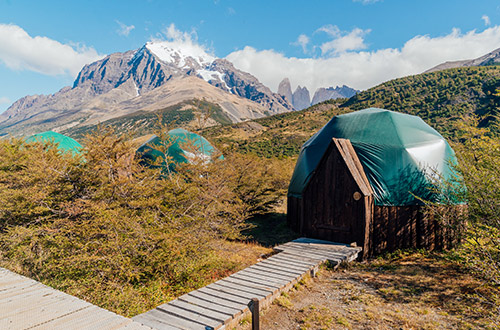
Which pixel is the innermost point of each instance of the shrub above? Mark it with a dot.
(123, 236)
(479, 159)
(478, 151)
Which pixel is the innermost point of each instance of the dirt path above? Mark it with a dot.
(409, 292)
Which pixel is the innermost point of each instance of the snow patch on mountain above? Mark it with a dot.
(136, 89)
(211, 75)
(182, 54)
(188, 56)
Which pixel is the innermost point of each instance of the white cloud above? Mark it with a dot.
(124, 29)
(5, 100)
(20, 51)
(342, 41)
(171, 32)
(332, 30)
(186, 41)
(302, 41)
(486, 20)
(174, 34)
(364, 69)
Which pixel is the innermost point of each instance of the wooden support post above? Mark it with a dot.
(314, 271)
(254, 308)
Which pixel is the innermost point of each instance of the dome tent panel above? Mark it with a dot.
(64, 143)
(180, 146)
(397, 151)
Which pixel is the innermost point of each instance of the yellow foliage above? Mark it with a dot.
(121, 235)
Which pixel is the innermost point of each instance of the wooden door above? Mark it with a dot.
(338, 201)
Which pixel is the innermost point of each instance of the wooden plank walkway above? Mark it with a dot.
(223, 304)
(28, 304)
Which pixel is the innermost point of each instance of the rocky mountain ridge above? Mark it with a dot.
(491, 58)
(301, 99)
(285, 90)
(105, 89)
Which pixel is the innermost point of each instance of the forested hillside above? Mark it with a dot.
(184, 114)
(441, 98)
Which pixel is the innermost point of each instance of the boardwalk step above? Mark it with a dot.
(209, 305)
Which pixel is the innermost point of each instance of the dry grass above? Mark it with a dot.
(284, 301)
(429, 280)
(240, 254)
(409, 291)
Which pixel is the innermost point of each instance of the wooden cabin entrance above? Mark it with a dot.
(337, 204)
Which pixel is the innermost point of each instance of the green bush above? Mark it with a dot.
(478, 154)
(478, 225)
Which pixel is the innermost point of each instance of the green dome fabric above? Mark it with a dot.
(184, 147)
(398, 153)
(64, 143)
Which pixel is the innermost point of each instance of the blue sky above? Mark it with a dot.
(43, 44)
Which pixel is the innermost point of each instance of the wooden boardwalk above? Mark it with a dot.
(224, 303)
(28, 304)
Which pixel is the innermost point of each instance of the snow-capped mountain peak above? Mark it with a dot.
(181, 53)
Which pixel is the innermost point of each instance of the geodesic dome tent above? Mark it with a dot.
(181, 146)
(64, 143)
(366, 170)
(399, 152)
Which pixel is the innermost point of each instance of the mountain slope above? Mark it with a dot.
(279, 135)
(178, 90)
(491, 58)
(123, 83)
(187, 114)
